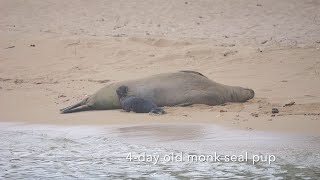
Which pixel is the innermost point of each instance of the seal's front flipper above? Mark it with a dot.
(157, 111)
(183, 105)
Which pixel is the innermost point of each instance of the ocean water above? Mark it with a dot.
(154, 151)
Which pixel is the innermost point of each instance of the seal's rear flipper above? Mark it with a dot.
(72, 106)
(76, 109)
(70, 109)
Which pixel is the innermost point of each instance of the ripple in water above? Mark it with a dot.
(87, 152)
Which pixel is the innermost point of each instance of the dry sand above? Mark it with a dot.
(80, 46)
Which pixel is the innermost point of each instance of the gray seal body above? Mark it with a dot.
(167, 89)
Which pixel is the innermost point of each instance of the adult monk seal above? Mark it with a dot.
(168, 89)
(136, 104)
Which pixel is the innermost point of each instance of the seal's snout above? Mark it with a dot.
(250, 93)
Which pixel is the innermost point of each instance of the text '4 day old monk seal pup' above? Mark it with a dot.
(136, 104)
(167, 89)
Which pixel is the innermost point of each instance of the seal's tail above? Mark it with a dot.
(81, 106)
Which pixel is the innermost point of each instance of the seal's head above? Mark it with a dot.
(244, 94)
(239, 94)
(122, 91)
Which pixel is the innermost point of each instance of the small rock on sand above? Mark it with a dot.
(289, 104)
(10, 47)
(275, 110)
(229, 53)
(255, 114)
(18, 81)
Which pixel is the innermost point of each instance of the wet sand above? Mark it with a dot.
(53, 54)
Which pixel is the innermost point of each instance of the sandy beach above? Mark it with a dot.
(55, 53)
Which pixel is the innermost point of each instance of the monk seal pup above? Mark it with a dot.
(167, 89)
(136, 104)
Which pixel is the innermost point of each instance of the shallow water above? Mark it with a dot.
(92, 152)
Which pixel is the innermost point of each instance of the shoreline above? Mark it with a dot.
(59, 54)
(283, 125)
